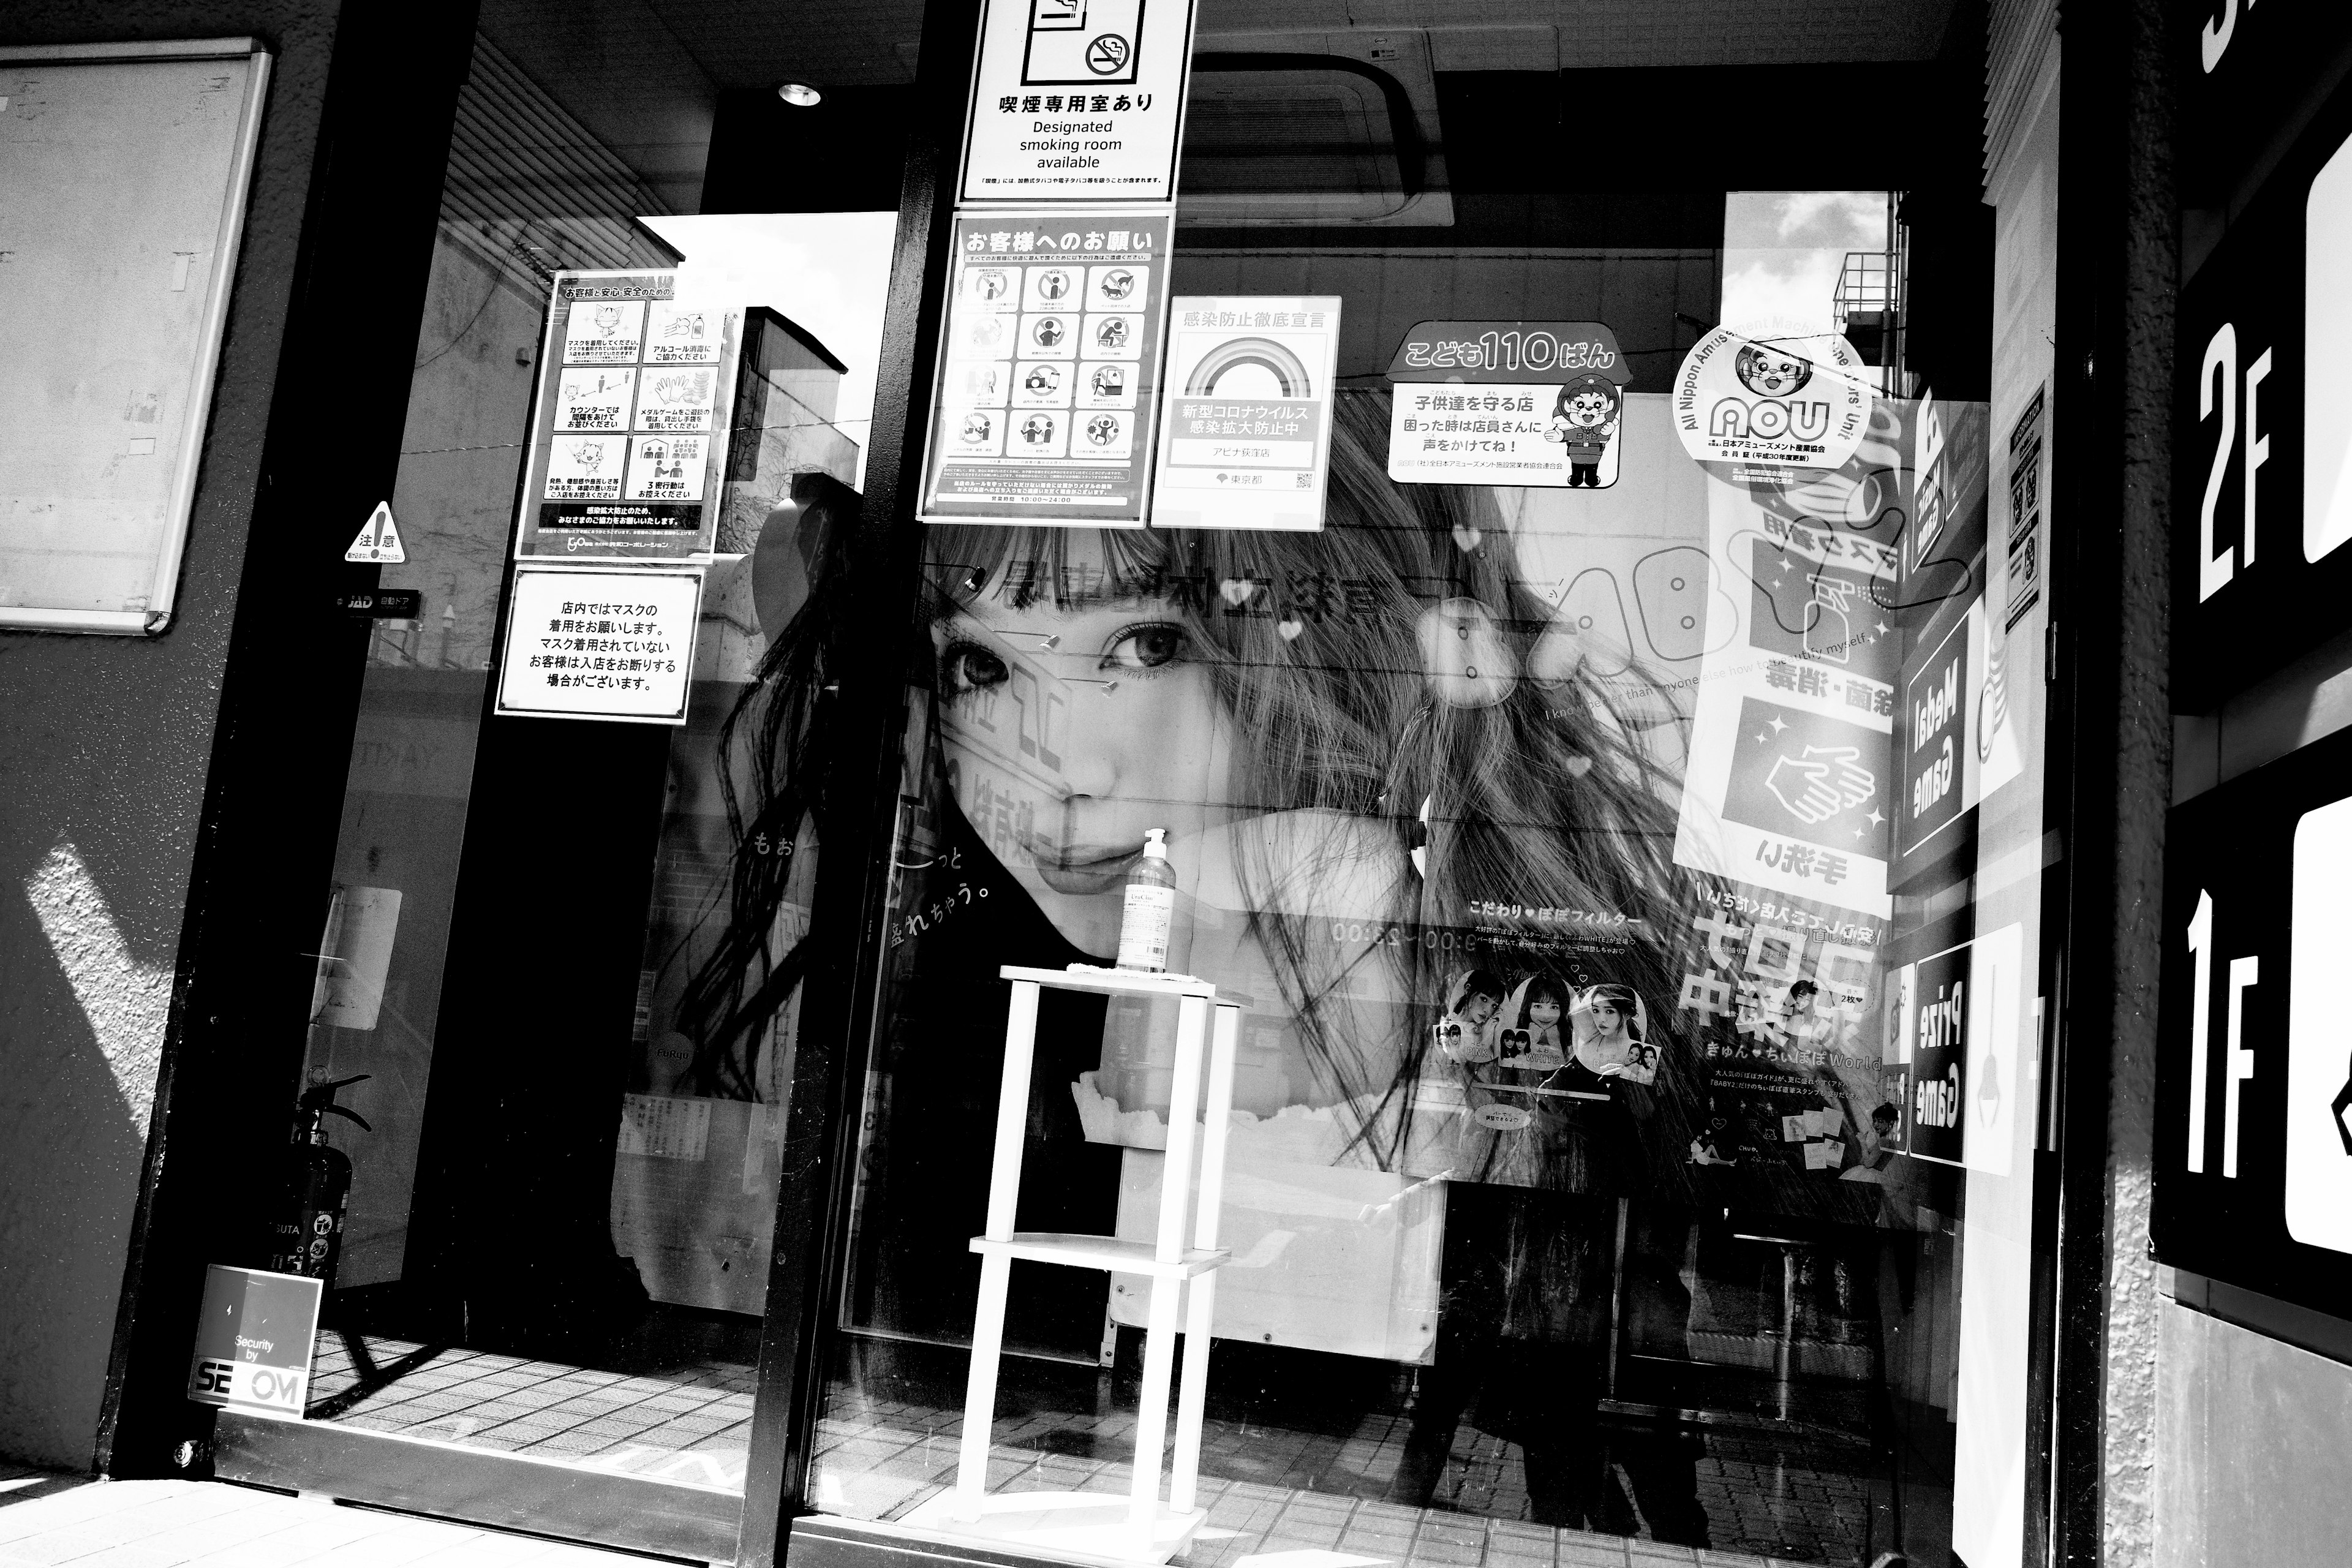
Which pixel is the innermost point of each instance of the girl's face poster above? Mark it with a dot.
(1444, 792)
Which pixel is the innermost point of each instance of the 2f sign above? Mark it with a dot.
(2217, 385)
(2244, 972)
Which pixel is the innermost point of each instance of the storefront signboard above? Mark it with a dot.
(627, 448)
(1245, 437)
(1793, 403)
(584, 642)
(2262, 481)
(1047, 379)
(1077, 100)
(2253, 1105)
(253, 1341)
(1507, 402)
(2250, 77)
(124, 186)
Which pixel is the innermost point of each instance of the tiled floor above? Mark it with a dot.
(50, 1521)
(887, 1445)
(690, 1424)
(1271, 1489)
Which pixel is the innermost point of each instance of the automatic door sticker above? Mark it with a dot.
(1083, 43)
(586, 467)
(593, 399)
(603, 331)
(1798, 403)
(1245, 434)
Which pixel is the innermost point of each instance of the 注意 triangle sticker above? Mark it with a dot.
(379, 537)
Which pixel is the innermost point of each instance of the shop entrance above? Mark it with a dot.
(546, 1305)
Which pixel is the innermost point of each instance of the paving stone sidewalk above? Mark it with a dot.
(48, 1521)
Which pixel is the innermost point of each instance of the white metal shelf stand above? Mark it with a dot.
(1090, 1524)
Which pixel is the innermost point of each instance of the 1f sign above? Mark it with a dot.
(2243, 973)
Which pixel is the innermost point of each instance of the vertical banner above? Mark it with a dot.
(1507, 402)
(1042, 412)
(626, 447)
(1077, 100)
(1246, 439)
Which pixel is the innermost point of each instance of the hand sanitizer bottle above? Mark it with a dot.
(1151, 911)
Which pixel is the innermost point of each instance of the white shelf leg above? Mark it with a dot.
(1151, 1413)
(996, 1269)
(1159, 1331)
(979, 1385)
(1200, 1312)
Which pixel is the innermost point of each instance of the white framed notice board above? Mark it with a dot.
(123, 174)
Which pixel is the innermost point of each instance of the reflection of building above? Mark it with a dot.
(786, 394)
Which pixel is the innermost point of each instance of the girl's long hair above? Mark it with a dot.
(1549, 797)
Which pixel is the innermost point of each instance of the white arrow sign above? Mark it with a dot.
(379, 537)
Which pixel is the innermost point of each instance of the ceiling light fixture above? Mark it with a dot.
(800, 95)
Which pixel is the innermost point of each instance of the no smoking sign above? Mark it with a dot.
(1083, 43)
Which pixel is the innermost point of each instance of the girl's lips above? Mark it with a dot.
(1080, 869)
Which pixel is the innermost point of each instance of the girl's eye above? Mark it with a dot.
(966, 666)
(1145, 646)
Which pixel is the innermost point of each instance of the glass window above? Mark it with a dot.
(562, 1199)
(1618, 823)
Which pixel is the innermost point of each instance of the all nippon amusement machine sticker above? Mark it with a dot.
(1507, 402)
(1246, 441)
(1077, 101)
(1042, 410)
(1794, 402)
(628, 445)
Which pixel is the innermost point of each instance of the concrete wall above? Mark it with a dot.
(104, 748)
(2253, 1452)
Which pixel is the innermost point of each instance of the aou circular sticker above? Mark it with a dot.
(1501, 1118)
(1787, 403)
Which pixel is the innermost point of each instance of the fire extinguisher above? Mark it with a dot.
(307, 1239)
